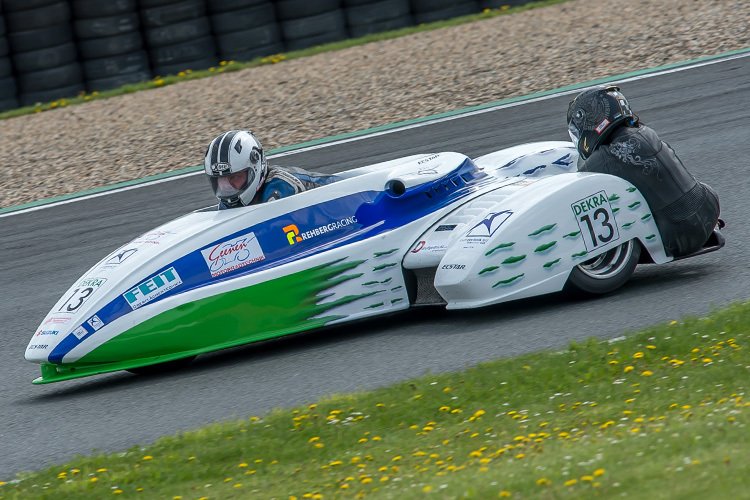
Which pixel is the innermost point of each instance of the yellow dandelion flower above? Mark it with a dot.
(587, 478)
(319, 445)
(707, 360)
(366, 480)
(147, 457)
(94, 479)
(628, 369)
(614, 362)
(447, 389)
(117, 492)
(504, 494)
(673, 323)
(396, 458)
(638, 355)
(650, 347)
(647, 373)
(362, 440)
(444, 408)
(543, 481)
(243, 464)
(344, 486)
(427, 489)
(571, 482)
(377, 438)
(527, 367)
(598, 472)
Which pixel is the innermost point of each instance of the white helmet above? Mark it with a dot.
(236, 167)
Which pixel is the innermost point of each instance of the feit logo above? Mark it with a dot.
(292, 233)
(152, 288)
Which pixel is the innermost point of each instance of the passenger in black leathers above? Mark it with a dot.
(611, 140)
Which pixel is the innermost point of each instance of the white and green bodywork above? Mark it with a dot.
(507, 225)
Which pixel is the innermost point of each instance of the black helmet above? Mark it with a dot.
(594, 114)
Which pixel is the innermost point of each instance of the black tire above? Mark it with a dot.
(176, 68)
(439, 15)
(431, 5)
(99, 27)
(4, 48)
(187, 51)
(496, 4)
(295, 9)
(8, 87)
(216, 6)
(607, 271)
(110, 46)
(89, 9)
(172, 13)
(315, 40)
(163, 367)
(252, 17)
(17, 5)
(31, 98)
(245, 40)
(6, 69)
(116, 81)
(43, 17)
(250, 54)
(312, 26)
(105, 67)
(376, 12)
(49, 79)
(8, 103)
(2, 25)
(389, 25)
(38, 60)
(26, 41)
(178, 32)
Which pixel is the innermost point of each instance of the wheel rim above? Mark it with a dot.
(608, 264)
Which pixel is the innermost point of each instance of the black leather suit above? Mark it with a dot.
(685, 211)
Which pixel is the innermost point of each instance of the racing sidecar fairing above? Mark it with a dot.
(427, 229)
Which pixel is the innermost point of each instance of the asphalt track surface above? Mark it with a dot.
(702, 112)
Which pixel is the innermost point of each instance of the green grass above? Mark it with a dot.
(228, 66)
(658, 414)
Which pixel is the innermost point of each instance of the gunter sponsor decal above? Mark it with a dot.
(294, 235)
(233, 254)
(152, 288)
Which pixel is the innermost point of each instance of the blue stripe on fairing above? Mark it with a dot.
(375, 211)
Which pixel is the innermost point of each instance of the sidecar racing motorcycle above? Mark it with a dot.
(433, 229)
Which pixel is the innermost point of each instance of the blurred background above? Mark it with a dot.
(52, 49)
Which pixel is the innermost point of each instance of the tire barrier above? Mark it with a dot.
(109, 43)
(178, 36)
(53, 49)
(245, 29)
(365, 17)
(306, 23)
(43, 53)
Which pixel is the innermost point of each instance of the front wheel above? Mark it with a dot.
(608, 271)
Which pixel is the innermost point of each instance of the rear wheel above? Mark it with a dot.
(608, 271)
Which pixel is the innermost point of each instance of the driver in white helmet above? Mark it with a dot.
(236, 167)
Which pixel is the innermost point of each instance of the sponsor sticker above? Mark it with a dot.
(453, 266)
(80, 332)
(81, 294)
(38, 346)
(153, 238)
(596, 220)
(95, 322)
(489, 225)
(599, 128)
(233, 254)
(152, 288)
(56, 320)
(293, 234)
(118, 258)
(47, 332)
(446, 227)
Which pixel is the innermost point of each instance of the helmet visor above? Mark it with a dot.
(575, 134)
(232, 185)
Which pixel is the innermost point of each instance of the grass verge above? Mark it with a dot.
(658, 414)
(228, 66)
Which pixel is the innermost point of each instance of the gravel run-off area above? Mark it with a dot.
(102, 142)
